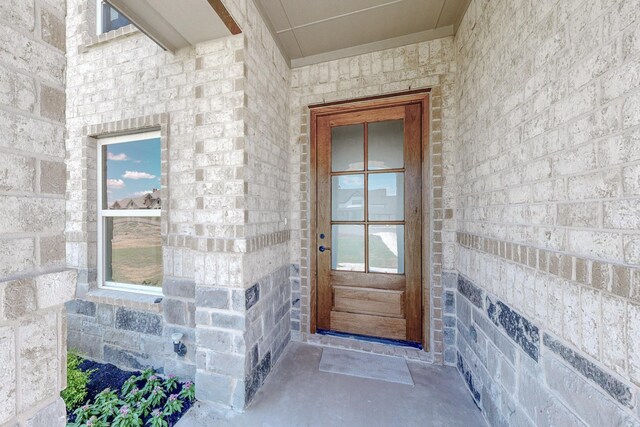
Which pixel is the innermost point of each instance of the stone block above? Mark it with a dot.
(31, 135)
(7, 373)
(581, 397)
(449, 302)
(214, 339)
(518, 328)
(228, 321)
(18, 298)
(213, 387)
(105, 314)
(252, 296)
(17, 90)
(212, 298)
(53, 177)
(463, 311)
(39, 363)
(181, 369)
(614, 354)
(52, 103)
(78, 306)
(175, 311)
(51, 415)
(591, 325)
(614, 387)
(52, 251)
(255, 379)
(17, 173)
(232, 365)
(470, 291)
(179, 288)
(138, 321)
(124, 339)
(449, 279)
(53, 30)
(32, 215)
(474, 386)
(578, 214)
(631, 180)
(20, 13)
(55, 288)
(633, 342)
(16, 256)
(127, 359)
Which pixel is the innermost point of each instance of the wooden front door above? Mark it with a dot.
(369, 221)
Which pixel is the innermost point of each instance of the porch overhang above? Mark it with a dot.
(177, 24)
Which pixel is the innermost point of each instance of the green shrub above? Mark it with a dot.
(145, 399)
(77, 380)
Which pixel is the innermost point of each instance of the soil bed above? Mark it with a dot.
(107, 375)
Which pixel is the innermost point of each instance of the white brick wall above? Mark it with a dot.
(547, 127)
(33, 281)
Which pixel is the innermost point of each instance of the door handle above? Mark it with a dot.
(322, 249)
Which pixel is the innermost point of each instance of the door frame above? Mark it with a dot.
(420, 97)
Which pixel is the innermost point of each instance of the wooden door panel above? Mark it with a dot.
(375, 326)
(378, 302)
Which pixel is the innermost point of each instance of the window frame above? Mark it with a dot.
(103, 213)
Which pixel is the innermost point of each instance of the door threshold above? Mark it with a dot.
(387, 341)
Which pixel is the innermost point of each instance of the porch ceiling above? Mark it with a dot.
(311, 31)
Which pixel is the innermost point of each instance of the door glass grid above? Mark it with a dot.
(367, 207)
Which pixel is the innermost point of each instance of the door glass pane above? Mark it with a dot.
(133, 250)
(386, 145)
(386, 197)
(347, 247)
(347, 148)
(347, 198)
(386, 249)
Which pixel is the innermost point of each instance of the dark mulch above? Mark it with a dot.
(110, 376)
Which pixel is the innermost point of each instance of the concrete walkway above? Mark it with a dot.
(298, 394)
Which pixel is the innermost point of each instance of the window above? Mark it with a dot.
(129, 239)
(108, 18)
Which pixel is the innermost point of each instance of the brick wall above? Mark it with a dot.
(547, 211)
(221, 107)
(34, 283)
(425, 65)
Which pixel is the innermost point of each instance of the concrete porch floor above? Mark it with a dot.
(297, 393)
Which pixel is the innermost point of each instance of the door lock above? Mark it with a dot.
(322, 249)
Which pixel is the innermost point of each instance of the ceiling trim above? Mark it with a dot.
(225, 16)
(391, 43)
(272, 31)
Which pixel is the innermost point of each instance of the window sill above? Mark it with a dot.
(110, 36)
(122, 298)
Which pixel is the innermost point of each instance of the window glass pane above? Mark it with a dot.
(386, 197)
(347, 198)
(347, 148)
(133, 250)
(347, 247)
(131, 172)
(386, 145)
(111, 19)
(386, 249)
